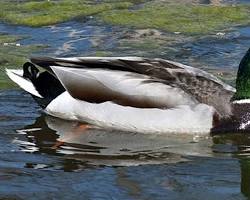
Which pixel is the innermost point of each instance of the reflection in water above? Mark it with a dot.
(81, 147)
(239, 144)
(74, 140)
(245, 177)
(132, 187)
(211, 170)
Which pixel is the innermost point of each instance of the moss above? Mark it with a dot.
(131, 1)
(13, 56)
(102, 53)
(40, 13)
(4, 38)
(185, 18)
(191, 19)
(146, 44)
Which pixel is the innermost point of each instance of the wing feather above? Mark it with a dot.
(202, 86)
(98, 86)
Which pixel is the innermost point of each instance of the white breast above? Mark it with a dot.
(188, 119)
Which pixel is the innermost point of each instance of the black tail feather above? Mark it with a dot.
(48, 86)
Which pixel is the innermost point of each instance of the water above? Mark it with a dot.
(47, 158)
(67, 39)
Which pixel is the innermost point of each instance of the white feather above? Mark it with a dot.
(125, 84)
(16, 76)
(182, 119)
(242, 101)
(128, 58)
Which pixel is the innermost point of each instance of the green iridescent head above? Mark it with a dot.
(243, 79)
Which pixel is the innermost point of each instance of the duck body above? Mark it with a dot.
(128, 93)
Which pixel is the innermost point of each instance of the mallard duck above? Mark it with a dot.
(137, 94)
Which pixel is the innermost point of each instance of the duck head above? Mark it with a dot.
(241, 98)
(243, 79)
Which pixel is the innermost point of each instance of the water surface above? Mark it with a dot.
(47, 158)
(47, 155)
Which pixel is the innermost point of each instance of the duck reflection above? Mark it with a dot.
(245, 177)
(239, 146)
(79, 141)
(80, 145)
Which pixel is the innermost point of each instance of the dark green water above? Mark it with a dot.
(46, 158)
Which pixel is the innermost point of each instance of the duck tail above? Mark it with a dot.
(16, 75)
(43, 86)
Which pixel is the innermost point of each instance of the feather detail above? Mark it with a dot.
(200, 85)
(181, 119)
(125, 88)
(17, 77)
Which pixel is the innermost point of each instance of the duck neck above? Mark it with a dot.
(243, 79)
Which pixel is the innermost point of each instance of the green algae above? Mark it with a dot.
(40, 13)
(13, 55)
(171, 17)
(102, 53)
(188, 19)
(4, 38)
